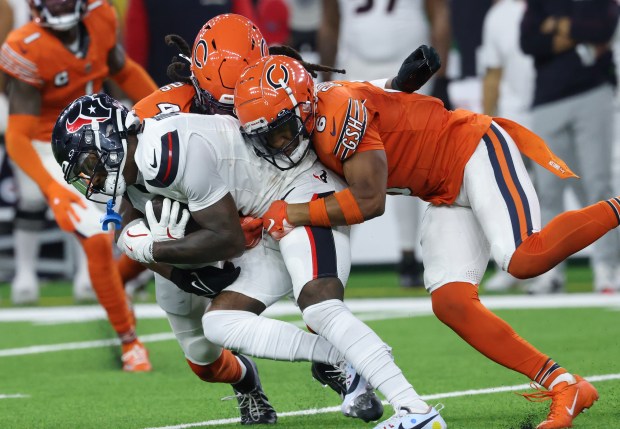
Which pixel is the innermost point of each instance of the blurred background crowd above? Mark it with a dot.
(551, 70)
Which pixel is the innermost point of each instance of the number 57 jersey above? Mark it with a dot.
(198, 159)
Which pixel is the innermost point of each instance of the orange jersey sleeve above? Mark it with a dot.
(174, 97)
(33, 55)
(426, 145)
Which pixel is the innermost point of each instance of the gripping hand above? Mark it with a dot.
(275, 220)
(136, 241)
(252, 230)
(169, 226)
(206, 281)
(417, 69)
(60, 199)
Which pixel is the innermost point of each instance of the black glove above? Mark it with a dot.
(206, 281)
(417, 69)
(440, 90)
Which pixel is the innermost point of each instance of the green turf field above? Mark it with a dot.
(84, 388)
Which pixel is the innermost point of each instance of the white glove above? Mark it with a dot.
(167, 227)
(136, 241)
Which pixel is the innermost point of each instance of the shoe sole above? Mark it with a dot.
(366, 407)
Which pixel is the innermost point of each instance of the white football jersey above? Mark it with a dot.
(198, 159)
(376, 36)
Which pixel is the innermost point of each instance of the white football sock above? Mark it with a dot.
(363, 349)
(258, 336)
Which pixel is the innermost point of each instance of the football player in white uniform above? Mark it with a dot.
(203, 161)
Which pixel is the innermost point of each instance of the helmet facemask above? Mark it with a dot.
(294, 125)
(59, 15)
(94, 171)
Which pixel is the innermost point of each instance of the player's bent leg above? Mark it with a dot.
(565, 235)
(209, 361)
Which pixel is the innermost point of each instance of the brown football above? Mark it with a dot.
(192, 225)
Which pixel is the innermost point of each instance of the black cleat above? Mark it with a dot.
(330, 375)
(254, 405)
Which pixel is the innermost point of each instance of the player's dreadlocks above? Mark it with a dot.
(179, 64)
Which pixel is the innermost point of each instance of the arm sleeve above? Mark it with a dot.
(594, 21)
(533, 42)
(201, 182)
(19, 147)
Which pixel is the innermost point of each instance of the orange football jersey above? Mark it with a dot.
(175, 97)
(426, 145)
(33, 55)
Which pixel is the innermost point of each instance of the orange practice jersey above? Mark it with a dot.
(33, 55)
(426, 145)
(175, 97)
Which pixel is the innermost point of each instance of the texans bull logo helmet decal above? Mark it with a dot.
(90, 110)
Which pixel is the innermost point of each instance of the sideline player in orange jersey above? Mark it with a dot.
(468, 166)
(67, 50)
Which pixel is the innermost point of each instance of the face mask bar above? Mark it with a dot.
(290, 154)
(208, 105)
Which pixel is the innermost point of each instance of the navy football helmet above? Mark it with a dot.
(89, 142)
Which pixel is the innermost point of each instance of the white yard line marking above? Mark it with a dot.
(407, 306)
(14, 396)
(366, 309)
(315, 411)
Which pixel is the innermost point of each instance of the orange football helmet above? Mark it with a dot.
(275, 102)
(224, 46)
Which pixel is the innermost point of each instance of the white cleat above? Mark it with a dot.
(406, 419)
(360, 400)
(500, 281)
(25, 289)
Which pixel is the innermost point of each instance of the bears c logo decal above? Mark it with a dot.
(201, 51)
(273, 77)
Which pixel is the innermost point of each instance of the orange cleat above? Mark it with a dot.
(135, 357)
(567, 401)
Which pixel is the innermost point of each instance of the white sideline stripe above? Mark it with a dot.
(408, 306)
(14, 396)
(315, 411)
(149, 338)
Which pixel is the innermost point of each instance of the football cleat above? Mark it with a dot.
(500, 281)
(360, 400)
(25, 289)
(254, 405)
(330, 375)
(567, 401)
(406, 419)
(135, 357)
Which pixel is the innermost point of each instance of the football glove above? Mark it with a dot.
(60, 199)
(136, 241)
(206, 281)
(252, 230)
(275, 220)
(169, 226)
(417, 69)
